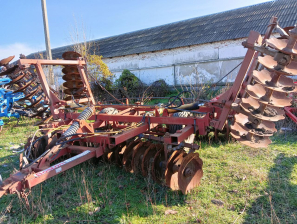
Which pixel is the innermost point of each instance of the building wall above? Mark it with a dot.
(186, 65)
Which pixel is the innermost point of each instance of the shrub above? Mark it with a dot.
(130, 84)
(159, 88)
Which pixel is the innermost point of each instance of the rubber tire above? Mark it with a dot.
(109, 110)
(175, 127)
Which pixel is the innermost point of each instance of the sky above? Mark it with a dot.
(22, 24)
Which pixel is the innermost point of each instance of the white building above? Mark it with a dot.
(193, 50)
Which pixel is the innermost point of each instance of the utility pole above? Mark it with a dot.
(47, 42)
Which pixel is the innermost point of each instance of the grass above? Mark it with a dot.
(255, 186)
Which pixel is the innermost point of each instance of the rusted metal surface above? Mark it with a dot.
(171, 172)
(190, 172)
(72, 77)
(8, 71)
(283, 84)
(126, 134)
(266, 93)
(73, 61)
(70, 55)
(6, 61)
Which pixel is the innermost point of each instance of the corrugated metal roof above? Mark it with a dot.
(228, 25)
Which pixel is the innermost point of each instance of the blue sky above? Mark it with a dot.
(22, 25)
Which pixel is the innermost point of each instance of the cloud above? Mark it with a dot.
(15, 49)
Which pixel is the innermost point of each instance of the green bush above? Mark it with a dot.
(130, 84)
(159, 88)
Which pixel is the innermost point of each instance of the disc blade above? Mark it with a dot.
(284, 84)
(24, 87)
(35, 103)
(281, 45)
(252, 106)
(111, 155)
(70, 69)
(39, 113)
(149, 154)
(158, 171)
(277, 99)
(264, 128)
(73, 84)
(127, 156)
(137, 157)
(67, 98)
(6, 61)
(70, 55)
(18, 78)
(70, 91)
(239, 130)
(190, 172)
(105, 154)
(71, 76)
(31, 93)
(118, 153)
(171, 174)
(256, 142)
(270, 63)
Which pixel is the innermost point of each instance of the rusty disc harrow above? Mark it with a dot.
(266, 94)
(182, 171)
(73, 82)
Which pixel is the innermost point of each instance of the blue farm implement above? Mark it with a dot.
(20, 85)
(7, 99)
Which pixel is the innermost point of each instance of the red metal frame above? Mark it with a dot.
(55, 102)
(217, 112)
(290, 110)
(148, 127)
(243, 77)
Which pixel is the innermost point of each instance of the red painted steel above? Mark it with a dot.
(182, 134)
(55, 102)
(289, 112)
(107, 131)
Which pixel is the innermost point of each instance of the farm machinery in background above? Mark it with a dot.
(22, 86)
(7, 99)
(156, 141)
